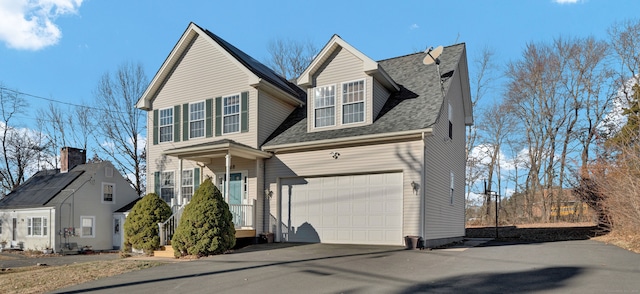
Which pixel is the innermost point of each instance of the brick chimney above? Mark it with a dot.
(70, 157)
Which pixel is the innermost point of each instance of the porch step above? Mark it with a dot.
(165, 251)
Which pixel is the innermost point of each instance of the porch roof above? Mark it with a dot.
(216, 149)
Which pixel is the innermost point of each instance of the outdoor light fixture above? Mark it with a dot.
(415, 187)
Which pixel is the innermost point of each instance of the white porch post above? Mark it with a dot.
(179, 183)
(227, 176)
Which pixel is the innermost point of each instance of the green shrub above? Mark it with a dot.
(141, 226)
(206, 226)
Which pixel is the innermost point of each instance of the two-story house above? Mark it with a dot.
(356, 151)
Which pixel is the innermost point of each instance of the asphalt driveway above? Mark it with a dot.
(567, 267)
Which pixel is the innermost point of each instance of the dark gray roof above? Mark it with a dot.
(259, 69)
(128, 206)
(39, 189)
(416, 106)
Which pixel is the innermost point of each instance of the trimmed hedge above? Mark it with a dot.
(141, 226)
(206, 226)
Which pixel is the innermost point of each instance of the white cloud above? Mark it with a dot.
(29, 24)
(414, 26)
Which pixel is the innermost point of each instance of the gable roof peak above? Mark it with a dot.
(369, 66)
(258, 73)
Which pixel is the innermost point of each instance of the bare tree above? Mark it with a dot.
(483, 81)
(19, 147)
(81, 125)
(290, 58)
(53, 123)
(497, 123)
(120, 126)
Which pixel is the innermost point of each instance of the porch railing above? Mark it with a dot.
(243, 217)
(168, 227)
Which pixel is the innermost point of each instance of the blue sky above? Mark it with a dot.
(59, 49)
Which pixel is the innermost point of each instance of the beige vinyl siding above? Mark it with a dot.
(272, 113)
(205, 72)
(380, 96)
(340, 67)
(444, 156)
(382, 158)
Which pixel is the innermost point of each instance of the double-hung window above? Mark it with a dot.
(166, 125)
(196, 120)
(231, 114)
(187, 183)
(88, 224)
(324, 106)
(37, 226)
(108, 191)
(167, 183)
(353, 102)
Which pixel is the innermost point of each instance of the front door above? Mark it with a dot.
(235, 188)
(117, 235)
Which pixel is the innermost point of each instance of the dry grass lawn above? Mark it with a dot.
(42, 279)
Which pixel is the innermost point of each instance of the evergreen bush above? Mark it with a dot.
(141, 226)
(206, 226)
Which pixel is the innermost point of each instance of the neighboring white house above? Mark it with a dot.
(72, 205)
(355, 151)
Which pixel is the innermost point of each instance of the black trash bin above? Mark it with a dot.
(411, 242)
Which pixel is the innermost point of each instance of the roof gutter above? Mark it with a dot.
(373, 138)
(270, 88)
(222, 147)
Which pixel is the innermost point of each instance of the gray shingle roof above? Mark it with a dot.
(259, 69)
(39, 189)
(416, 106)
(129, 206)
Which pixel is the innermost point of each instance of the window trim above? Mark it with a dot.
(450, 115)
(192, 186)
(363, 101)
(203, 119)
(163, 186)
(452, 188)
(44, 226)
(168, 125)
(93, 226)
(315, 99)
(113, 193)
(224, 115)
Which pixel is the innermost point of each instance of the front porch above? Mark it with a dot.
(244, 216)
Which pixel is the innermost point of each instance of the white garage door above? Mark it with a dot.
(356, 209)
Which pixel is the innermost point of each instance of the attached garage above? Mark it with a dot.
(350, 209)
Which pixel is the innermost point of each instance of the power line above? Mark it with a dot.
(58, 101)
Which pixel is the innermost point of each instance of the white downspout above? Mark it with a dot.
(179, 183)
(423, 193)
(227, 176)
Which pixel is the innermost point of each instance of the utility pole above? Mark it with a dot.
(488, 193)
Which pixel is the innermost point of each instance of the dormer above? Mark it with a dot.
(345, 88)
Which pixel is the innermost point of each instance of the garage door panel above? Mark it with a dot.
(355, 209)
